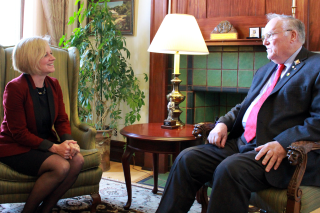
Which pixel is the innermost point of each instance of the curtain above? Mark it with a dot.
(48, 17)
(34, 21)
(56, 14)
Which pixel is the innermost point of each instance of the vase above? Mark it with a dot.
(103, 139)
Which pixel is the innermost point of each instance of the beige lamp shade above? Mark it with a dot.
(179, 32)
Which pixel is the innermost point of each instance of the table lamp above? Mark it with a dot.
(177, 34)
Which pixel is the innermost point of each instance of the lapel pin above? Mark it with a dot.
(288, 73)
(292, 66)
(296, 62)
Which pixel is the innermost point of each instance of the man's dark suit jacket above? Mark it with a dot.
(22, 118)
(290, 113)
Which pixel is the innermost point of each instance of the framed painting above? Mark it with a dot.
(123, 12)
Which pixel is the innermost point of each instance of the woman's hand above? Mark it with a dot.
(68, 149)
(75, 149)
(62, 149)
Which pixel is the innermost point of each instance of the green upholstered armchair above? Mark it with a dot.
(295, 199)
(15, 187)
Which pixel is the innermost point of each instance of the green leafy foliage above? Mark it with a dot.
(105, 78)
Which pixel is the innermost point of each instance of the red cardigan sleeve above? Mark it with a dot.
(19, 128)
(17, 103)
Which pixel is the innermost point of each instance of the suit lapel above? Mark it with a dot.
(295, 68)
(256, 88)
(260, 83)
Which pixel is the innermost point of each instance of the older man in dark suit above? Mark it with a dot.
(282, 106)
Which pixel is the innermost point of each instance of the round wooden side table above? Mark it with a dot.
(150, 137)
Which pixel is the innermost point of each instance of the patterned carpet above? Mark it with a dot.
(113, 195)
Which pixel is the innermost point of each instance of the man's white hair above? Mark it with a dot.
(290, 23)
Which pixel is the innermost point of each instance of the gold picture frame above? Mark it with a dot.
(123, 12)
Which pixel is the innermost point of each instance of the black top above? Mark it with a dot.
(45, 129)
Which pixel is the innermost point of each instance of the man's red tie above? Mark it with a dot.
(251, 124)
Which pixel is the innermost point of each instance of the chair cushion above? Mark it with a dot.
(91, 160)
(275, 200)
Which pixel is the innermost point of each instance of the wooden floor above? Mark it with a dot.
(116, 172)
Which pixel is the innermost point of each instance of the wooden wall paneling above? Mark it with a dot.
(224, 8)
(302, 13)
(260, 7)
(241, 23)
(314, 25)
(279, 6)
(227, 8)
(248, 8)
(213, 9)
(174, 6)
(158, 65)
(197, 8)
(157, 80)
(179, 6)
(237, 6)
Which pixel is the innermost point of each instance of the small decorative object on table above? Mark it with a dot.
(224, 30)
(170, 123)
(254, 32)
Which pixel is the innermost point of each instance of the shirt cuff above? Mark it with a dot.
(45, 145)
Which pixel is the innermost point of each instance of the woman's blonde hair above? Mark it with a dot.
(27, 54)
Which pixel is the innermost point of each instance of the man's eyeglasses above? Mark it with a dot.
(269, 36)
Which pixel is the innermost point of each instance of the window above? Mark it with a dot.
(10, 20)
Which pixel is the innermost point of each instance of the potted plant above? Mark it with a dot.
(106, 79)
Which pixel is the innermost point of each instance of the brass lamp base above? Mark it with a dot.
(177, 98)
(169, 124)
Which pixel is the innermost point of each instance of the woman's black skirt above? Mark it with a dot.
(27, 163)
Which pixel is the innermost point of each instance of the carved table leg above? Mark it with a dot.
(155, 172)
(126, 169)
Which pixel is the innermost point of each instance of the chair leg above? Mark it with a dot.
(202, 198)
(293, 206)
(96, 200)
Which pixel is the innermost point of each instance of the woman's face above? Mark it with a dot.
(46, 62)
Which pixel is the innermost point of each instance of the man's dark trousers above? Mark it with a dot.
(235, 175)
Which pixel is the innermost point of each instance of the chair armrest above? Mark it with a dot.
(84, 135)
(297, 156)
(202, 130)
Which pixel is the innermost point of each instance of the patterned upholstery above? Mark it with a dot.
(15, 187)
(271, 200)
(275, 200)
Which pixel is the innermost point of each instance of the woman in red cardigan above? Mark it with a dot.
(33, 104)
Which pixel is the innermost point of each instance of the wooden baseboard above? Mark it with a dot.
(117, 149)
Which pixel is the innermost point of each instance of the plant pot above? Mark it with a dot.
(103, 146)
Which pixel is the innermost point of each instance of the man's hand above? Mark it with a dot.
(274, 154)
(218, 135)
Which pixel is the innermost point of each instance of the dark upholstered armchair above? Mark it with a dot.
(295, 199)
(15, 187)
